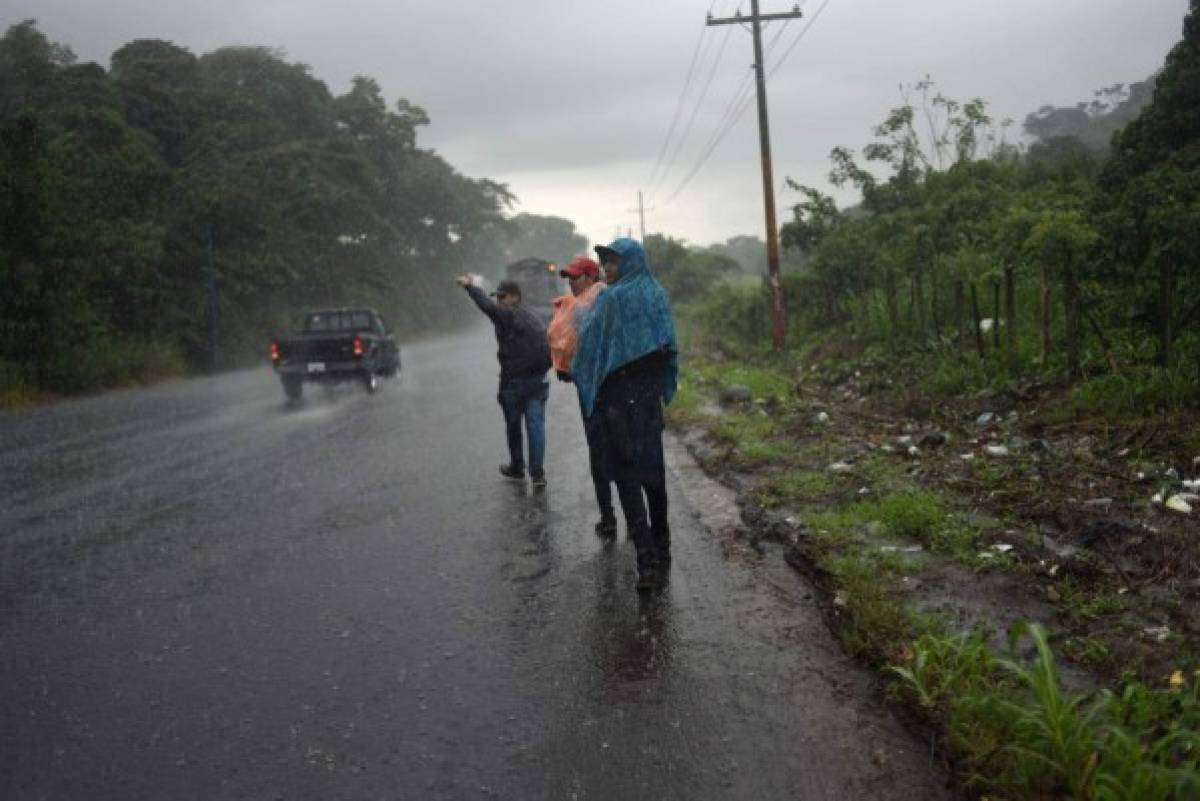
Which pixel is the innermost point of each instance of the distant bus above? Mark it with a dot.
(540, 283)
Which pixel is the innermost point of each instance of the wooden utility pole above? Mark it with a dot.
(778, 311)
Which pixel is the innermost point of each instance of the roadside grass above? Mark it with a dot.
(1139, 392)
(762, 381)
(794, 488)
(17, 389)
(1012, 729)
(1081, 603)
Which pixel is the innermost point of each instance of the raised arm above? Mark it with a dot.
(497, 313)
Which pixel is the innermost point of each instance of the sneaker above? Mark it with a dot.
(537, 479)
(607, 528)
(509, 471)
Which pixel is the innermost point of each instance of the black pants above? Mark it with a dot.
(593, 430)
(632, 423)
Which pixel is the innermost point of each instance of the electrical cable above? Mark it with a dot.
(733, 112)
(695, 111)
(687, 83)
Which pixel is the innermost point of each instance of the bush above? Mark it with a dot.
(1142, 391)
(16, 387)
(103, 363)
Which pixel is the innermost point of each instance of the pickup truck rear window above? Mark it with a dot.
(339, 321)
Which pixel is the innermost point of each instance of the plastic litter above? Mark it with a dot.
(1002, 547)
(996, 450)
(913, 450)
(840, 467)
(985, 418)
(823, 417)
(1176, 503)
(1098, 502)
(904, 440)
(1157, 633)
(967, 457)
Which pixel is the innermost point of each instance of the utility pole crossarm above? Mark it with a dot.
(795, 13)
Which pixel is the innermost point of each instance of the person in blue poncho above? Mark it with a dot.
(626, 367)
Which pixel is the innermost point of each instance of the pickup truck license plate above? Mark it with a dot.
(316, 367)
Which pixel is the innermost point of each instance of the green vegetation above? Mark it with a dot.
(993, 266)
(148, 203)
(974, 267)
(1021, 735)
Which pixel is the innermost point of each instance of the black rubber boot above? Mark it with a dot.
(607, 528)
(512, 471)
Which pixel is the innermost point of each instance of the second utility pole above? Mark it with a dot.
(778, 311)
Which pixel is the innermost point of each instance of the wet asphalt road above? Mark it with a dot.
(208, 594)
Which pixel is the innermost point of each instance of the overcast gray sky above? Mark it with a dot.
(569, 101)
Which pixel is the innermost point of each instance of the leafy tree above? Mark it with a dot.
(1149, 192)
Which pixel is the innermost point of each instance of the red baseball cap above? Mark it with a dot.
(581, 265)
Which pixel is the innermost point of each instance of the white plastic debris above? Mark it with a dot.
(1140, 476)
(823, 417)
(1156, 499)
(1123, 452)
(1172, 473)
(967, 457)
(1177, 503)
(1193, 485)
(904, 440)
(1157, 633)
(1098, 502)
(913, 450)
(840, 467)
(996, 450)
(986, 325)
(864, 491)
(985, 418)
(1002, 547)
(791, 521)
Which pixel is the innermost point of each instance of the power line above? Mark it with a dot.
(811, 21)
(740, 101)
(695, 110)
(687, 83)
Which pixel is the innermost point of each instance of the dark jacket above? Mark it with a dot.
(520, 334)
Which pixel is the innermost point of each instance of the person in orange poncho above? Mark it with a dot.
(583, 275)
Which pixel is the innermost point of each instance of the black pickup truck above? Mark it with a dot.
(336, 345)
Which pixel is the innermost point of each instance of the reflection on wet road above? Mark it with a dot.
(206, 593)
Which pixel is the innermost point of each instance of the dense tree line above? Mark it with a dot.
(1063, 255)
(171, 195)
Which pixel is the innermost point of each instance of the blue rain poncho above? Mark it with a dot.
(629, 320)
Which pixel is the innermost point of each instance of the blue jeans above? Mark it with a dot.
(525, 398)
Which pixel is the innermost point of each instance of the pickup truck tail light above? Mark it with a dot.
(274, 351)
(357, 346)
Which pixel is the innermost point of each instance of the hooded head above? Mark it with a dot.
(631, 319)
(629, 256)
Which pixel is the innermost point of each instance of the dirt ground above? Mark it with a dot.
(1077, 523)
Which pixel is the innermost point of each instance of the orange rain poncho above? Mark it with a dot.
(563, 330)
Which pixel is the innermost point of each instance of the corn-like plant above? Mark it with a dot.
(944, 667)
(1052, 738)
